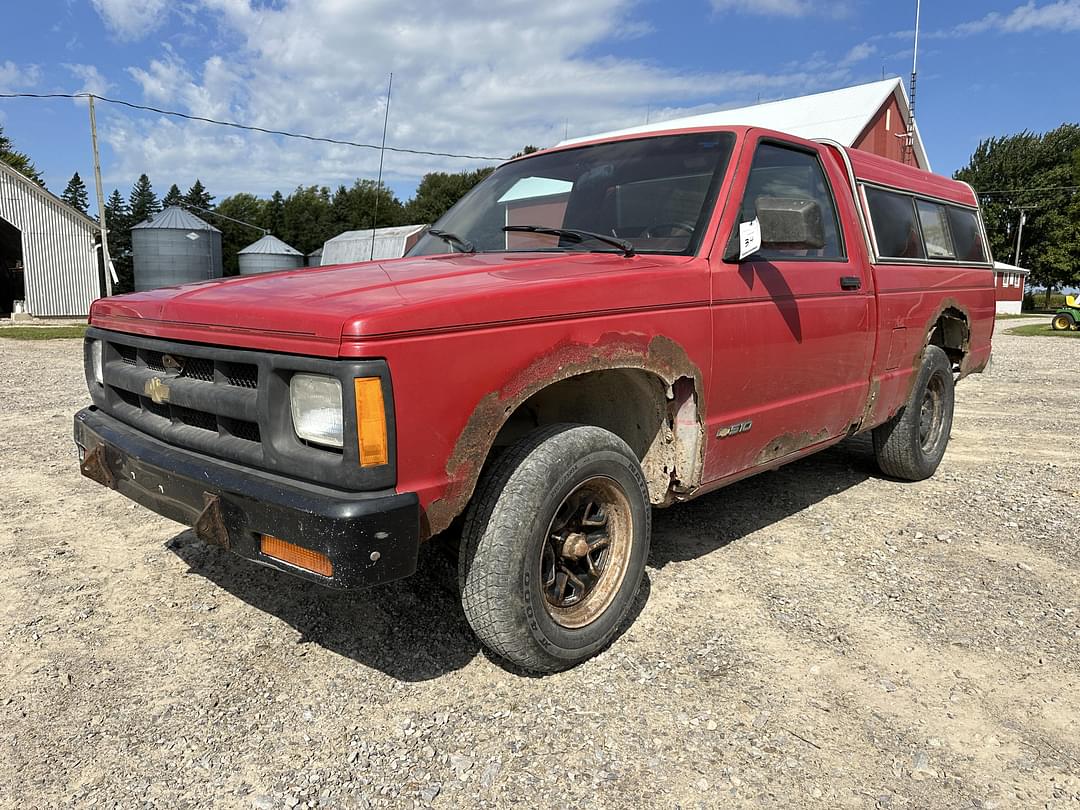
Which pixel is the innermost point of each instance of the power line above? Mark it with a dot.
(1026, 190)
(249, 127)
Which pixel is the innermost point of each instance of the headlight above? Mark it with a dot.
(316, 409)
(95, 360)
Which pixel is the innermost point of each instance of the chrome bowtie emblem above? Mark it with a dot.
(157, 390)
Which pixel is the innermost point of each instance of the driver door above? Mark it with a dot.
(793, 327)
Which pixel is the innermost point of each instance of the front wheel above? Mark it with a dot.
(911, 444)
(554, 546)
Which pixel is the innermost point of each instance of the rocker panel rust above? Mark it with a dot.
(661, 356)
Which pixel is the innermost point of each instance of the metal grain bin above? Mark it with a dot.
(174, 247)
(267, 255)
(314, 259)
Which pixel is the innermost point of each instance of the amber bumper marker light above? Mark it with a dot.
(371, 422)
(293, 554)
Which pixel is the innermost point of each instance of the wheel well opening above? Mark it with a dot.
(952, 334)
(658, 421)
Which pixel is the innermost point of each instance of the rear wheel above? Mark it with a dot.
(911, 444)
(554, 546)
(1062, 322)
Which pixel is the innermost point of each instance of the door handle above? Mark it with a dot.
(850, 282)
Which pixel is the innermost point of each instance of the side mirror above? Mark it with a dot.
(784, 223)
(789, 223)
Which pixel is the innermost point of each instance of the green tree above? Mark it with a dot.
(118, 222)
(75, 194)
(307, 218)
(234, 236)
(172, 197)
(275, 208)
(365, 204)
(143, 203)
(438, 191)
(1026, 173)
(198, 197)
(17, 160)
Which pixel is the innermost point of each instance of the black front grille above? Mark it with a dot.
(240, 374)
(199, 402)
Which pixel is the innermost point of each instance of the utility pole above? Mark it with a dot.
(382, 152)
(106, 258)
(1020, 235)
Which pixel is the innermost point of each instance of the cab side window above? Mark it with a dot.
(895, 226)
(779, 171)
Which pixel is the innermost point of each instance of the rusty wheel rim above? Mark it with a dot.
(586, 552)
(931, 414)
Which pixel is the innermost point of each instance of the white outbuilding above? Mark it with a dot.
(355, 246)
(49, 260)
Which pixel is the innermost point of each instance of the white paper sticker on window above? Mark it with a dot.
(749, 238)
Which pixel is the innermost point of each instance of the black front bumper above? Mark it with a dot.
(369, 538)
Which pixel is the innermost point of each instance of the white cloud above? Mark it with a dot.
(784, 8)
(859, 53)
(776, 8)
(14, 78)
(131, 19)
(1058, 16)
(466, 80)
(91, 78)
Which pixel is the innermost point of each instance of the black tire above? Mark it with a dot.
(508, 570)
(1062, 322)
(911, 444)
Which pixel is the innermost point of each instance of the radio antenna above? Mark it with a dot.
(914, 73)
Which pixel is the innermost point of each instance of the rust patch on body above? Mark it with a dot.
(95, 466)
(789, 443)
(661, 356)
(210, 525)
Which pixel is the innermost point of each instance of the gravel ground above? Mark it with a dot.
(815, 637)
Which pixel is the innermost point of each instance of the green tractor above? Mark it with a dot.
(1068, 317)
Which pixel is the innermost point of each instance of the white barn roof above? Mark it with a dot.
(839, 115)
(1002, 267)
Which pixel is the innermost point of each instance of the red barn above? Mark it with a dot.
(1009, 281)
(873, 117)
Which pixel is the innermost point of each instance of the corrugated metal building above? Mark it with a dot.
(872, 117)
(355, 246)
(48, 251)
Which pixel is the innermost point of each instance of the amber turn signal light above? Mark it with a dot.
(293, 554)
(371, 422)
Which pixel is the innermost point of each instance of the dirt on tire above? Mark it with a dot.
(819, 637)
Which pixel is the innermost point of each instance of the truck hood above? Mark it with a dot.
(312, 310)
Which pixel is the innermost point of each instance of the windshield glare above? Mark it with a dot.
(655, 193)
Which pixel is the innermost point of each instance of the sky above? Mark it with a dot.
(485, 77)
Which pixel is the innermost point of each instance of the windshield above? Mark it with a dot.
(654, 195)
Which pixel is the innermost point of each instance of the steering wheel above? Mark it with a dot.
(668, 229)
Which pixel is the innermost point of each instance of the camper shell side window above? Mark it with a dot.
(914, 228)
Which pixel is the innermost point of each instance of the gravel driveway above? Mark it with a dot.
(815, 637)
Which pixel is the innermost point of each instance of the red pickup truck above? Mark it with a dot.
(592, 331)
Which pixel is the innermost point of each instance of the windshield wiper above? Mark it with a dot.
(575, 234)
(453, 239)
